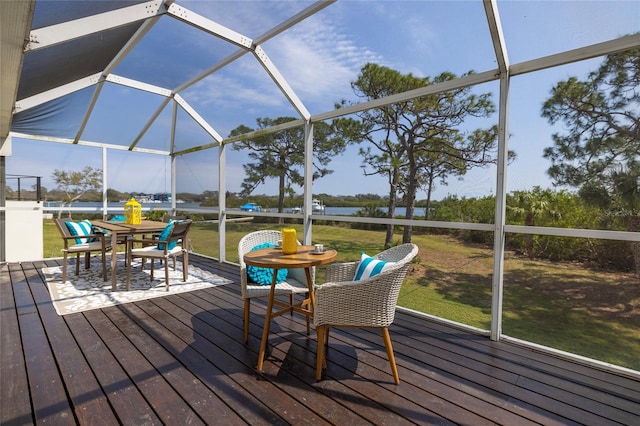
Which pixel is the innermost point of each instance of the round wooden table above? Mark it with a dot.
(306, 258)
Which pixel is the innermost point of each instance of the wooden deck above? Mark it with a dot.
(180, 359)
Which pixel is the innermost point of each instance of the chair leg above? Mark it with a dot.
(128, 270)
(185, 266)
(305, 304)
(392, 359)
(104, 266)
(291, 300)
(247, 308)
(87, 260)
(320, 356)
(64, 268)
(77, 264)
(166, 271)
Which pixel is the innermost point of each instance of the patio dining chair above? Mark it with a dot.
(84, 239)
(173, 242)
(166, 218)
(355, 294)
(295, 283)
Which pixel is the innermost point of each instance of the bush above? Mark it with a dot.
(370, 210)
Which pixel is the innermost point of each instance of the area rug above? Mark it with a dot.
(88, 291)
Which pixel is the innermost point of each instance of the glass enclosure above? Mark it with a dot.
(517, 175)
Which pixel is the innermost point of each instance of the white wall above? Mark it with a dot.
(24, 238)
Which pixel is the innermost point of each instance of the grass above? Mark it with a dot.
(561, 305)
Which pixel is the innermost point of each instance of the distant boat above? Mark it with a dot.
(316, 207)
(250, 207)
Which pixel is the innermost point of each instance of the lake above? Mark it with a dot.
(118, 207)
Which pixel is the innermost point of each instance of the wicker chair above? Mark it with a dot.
(296, 282)
(99, 244)
(368, 303)
(149, 250)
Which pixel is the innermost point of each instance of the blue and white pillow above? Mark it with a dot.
(264, 276)
(80, 229)
(370, 267)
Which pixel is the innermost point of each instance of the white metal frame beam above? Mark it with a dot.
(309, 11)
(281, 82)
(70, 30)
(198, 118)
(140, 33)
(135, 84)
(209, 26)
(88, 143)
(57, 92)
(152, 11)
(470, 80)
(588, 52)
(497, 286)
(149, 122)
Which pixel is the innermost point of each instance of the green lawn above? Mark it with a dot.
(565, 306)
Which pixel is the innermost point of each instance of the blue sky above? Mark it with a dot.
(319, 58)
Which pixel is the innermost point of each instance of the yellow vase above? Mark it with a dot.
(289, 241)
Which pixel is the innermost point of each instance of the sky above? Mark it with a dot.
(319, 58)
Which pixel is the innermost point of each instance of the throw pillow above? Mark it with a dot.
(164, 235)
(80, 229)
(370, 267)
(264, 276)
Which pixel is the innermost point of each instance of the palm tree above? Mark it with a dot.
(531, 206)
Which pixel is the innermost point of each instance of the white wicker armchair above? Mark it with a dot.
(369, 303)
(295, 283)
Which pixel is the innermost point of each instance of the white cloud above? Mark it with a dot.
(317, 58)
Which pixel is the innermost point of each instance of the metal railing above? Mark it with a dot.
(21, 194)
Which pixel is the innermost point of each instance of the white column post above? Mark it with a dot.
(308, 182)
(497, 285)
(222, 203)
(105, 180)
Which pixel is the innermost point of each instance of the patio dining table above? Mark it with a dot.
(118, 230)
(306, 257)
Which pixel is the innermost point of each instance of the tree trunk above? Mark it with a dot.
(411, 206)
(412, 188)
(529, 221)
(427, 208)
(393, 198)
(281, 198)
(62, 204)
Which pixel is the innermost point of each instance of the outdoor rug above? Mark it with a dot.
(88, 291)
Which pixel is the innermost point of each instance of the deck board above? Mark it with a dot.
(14, 388)
(181, 359)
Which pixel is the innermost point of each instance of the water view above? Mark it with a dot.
(52, 207)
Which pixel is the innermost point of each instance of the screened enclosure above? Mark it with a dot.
(513, 126)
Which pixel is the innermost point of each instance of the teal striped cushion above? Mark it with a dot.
(80, 229)
(370, 267)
